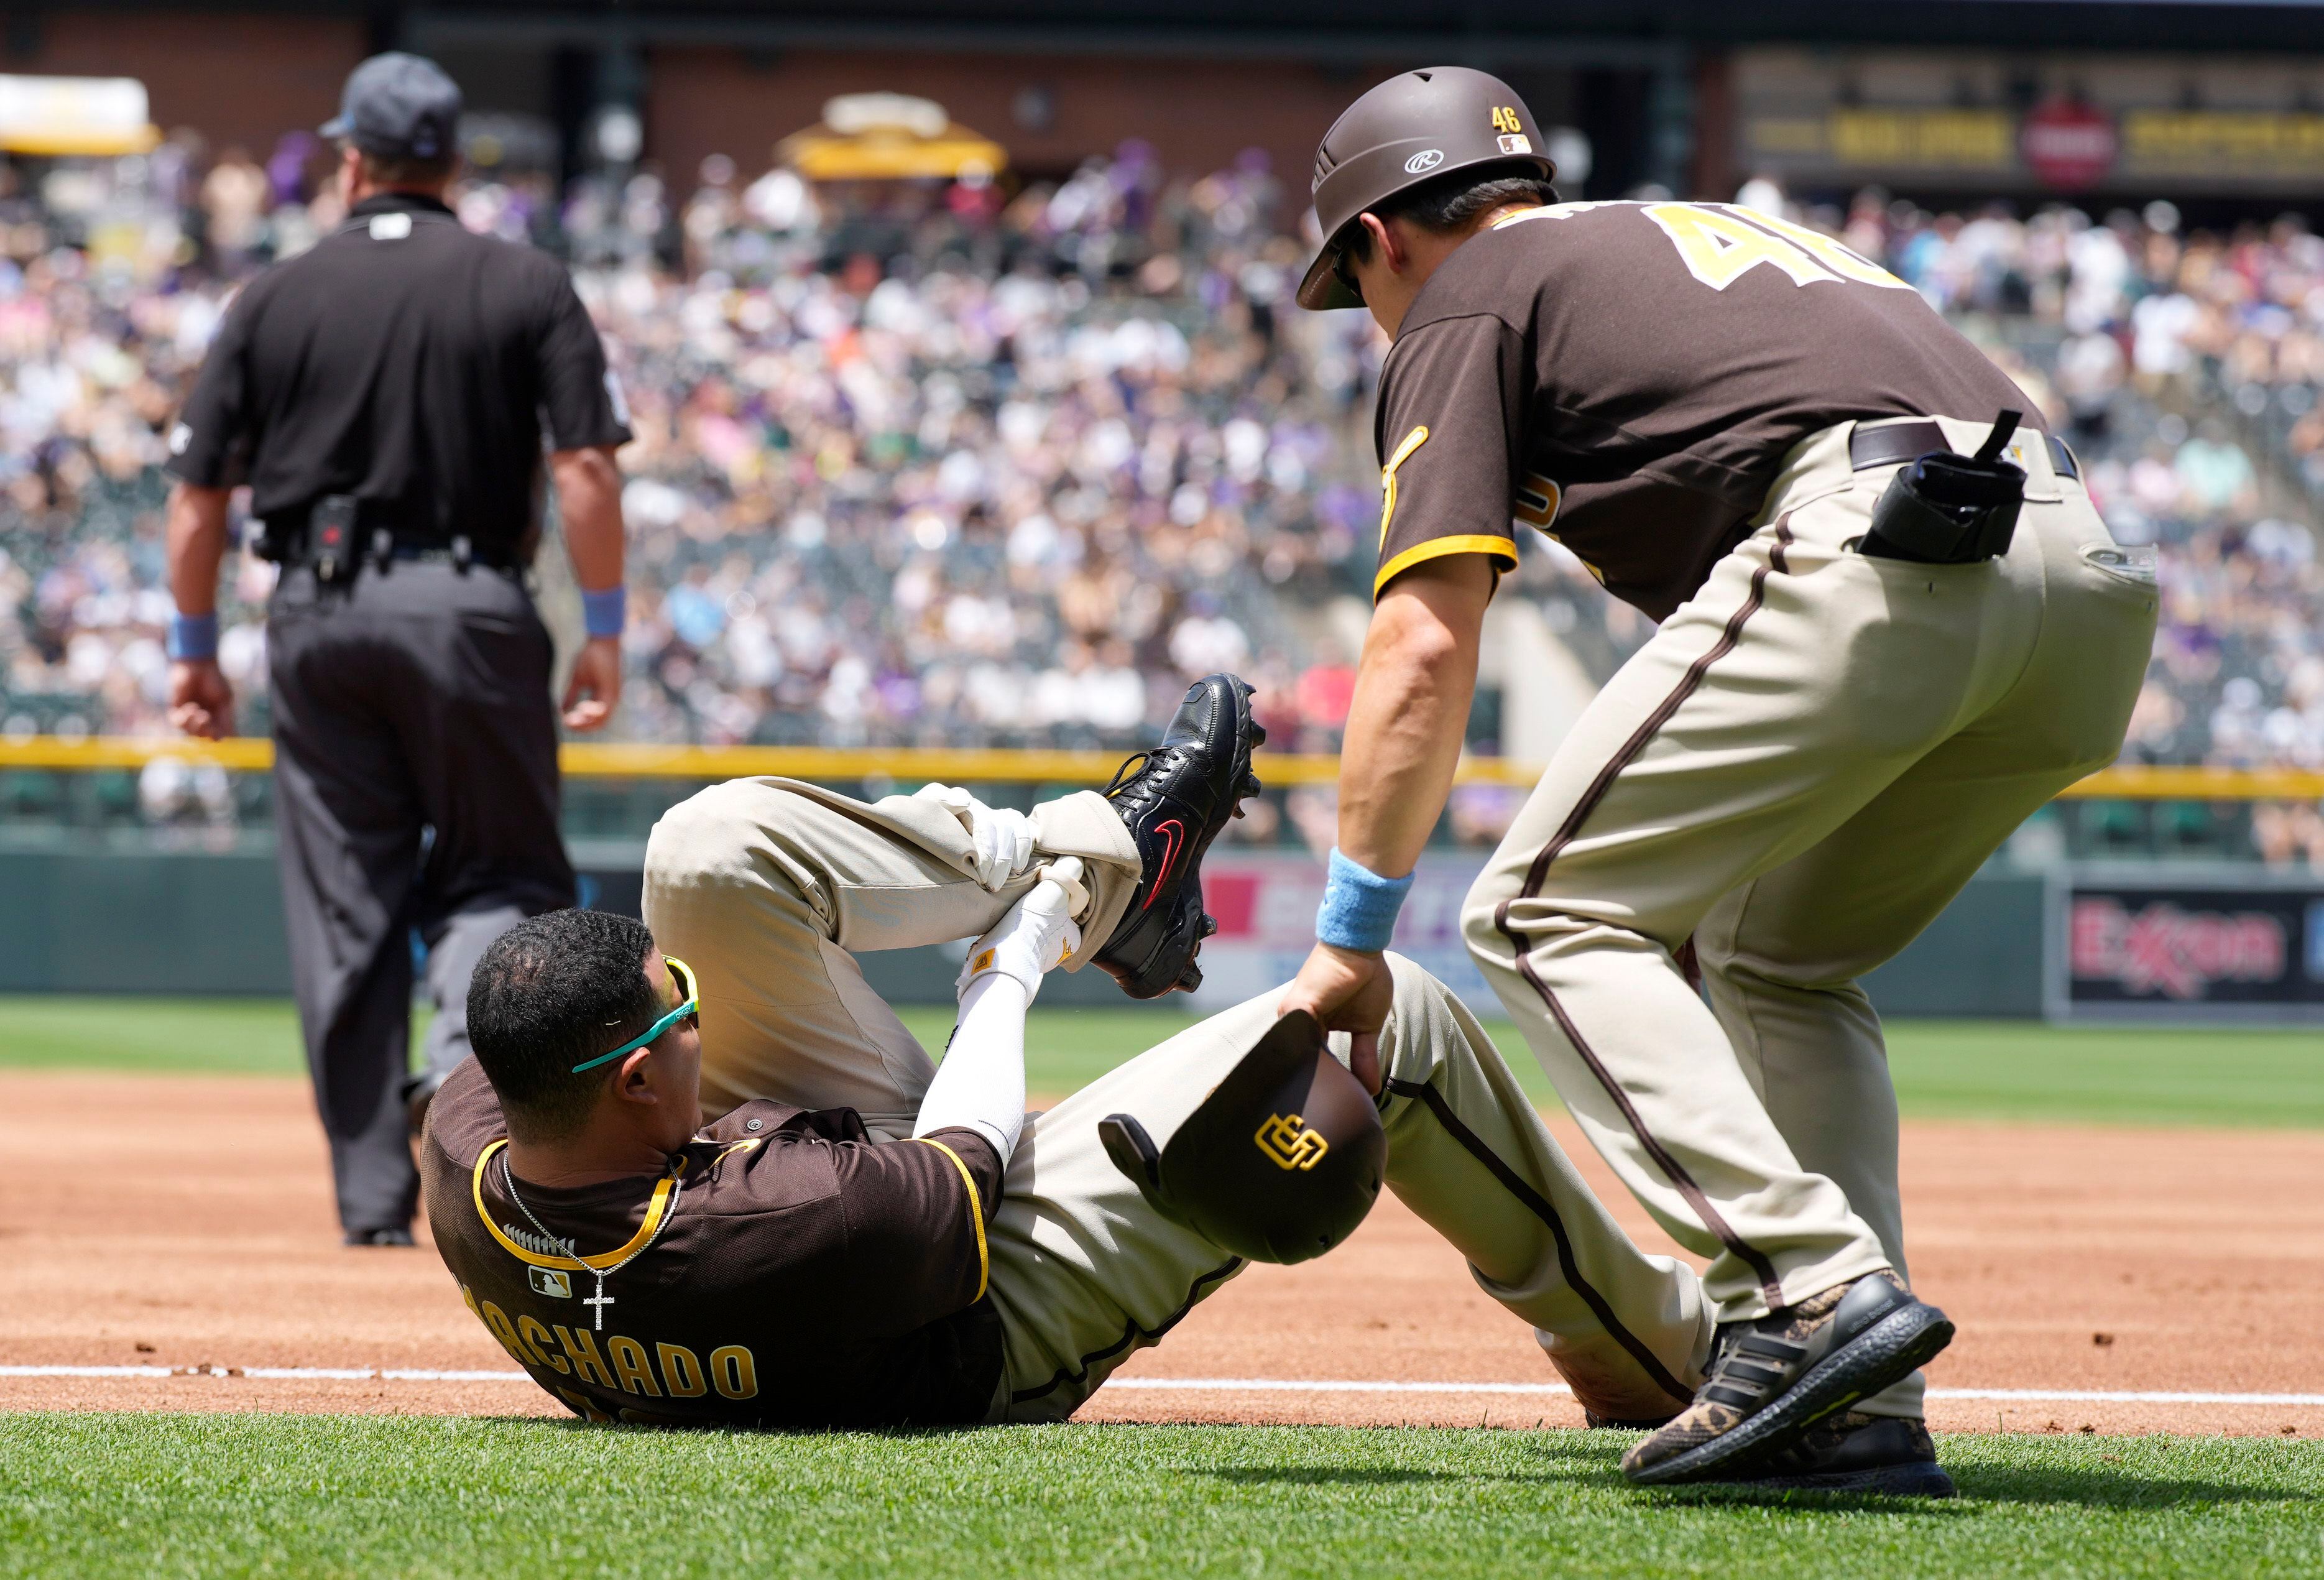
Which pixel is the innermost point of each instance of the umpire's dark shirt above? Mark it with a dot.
(408, 362)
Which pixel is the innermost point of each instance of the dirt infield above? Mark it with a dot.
(186, 1224)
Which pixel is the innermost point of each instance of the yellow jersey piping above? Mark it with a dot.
(1437, 547)
(975, 1212)
(1412, 441)
(654, 1211)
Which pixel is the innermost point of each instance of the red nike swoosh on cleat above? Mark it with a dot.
(1176, 831)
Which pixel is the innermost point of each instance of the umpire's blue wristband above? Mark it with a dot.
(603, 614)
(1359, 906)
(193, 636)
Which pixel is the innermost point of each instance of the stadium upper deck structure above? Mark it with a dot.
(1945, 96)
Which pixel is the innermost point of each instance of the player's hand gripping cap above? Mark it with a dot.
(1414, 128)
(1279, 1163)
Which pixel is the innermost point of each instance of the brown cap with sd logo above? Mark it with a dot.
(1278, 1162)
(1412, 128)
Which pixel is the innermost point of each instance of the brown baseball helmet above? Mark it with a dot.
(1414, 128)
(1279, 1163)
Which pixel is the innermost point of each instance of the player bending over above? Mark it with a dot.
(1890, 627)
(860, 1239)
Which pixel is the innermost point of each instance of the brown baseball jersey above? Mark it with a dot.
(1627, 378)
(787, 1271)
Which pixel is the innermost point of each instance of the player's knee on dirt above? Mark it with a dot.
(1280, 1163)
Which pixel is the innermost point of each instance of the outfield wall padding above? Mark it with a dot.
(201, 922)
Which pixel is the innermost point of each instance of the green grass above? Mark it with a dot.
(157, 1496)
(1950, 1069)
(207, 1036)
(2020, 1070)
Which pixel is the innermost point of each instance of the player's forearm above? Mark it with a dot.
(1410, 713)
(197, 541)
(981, 1085)
(589, 503)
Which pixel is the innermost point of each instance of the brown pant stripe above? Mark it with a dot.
(1689, 1191)
(1540, 1208)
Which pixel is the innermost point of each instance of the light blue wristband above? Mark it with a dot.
(1359, 906)
(193, 637)
(603, 614)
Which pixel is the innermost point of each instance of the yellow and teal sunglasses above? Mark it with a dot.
(689, 1003)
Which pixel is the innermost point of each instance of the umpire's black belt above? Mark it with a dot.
(335, 534)
(1894, 443)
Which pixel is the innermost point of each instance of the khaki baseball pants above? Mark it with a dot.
(1798, 771)
(767, 887)
(763, 885)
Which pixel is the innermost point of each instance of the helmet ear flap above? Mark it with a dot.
(1280, 1163)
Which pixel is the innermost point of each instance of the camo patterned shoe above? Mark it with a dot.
(1852, 1452)
(1774, 1378)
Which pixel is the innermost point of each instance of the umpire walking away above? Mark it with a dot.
(384, 395)
(1890, 627)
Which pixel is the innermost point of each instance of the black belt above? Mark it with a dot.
(1896, 443)
(333, 535)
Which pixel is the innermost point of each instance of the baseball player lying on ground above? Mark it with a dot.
(861, 1239)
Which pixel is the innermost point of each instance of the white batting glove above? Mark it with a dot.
(1003, 839)
(1037, 935)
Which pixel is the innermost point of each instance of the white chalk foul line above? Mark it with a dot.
(1543, 1389)
(275, 1374)
(1169, 1384)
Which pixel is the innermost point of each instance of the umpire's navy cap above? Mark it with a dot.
(399, 106)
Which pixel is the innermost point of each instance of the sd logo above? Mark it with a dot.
(1289, 1144)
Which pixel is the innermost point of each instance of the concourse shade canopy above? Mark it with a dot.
(888, 137)
(64, 117)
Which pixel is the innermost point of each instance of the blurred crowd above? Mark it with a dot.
(992, 466)
(2185, 367)
(950, 471)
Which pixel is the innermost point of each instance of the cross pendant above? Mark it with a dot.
(600, 1300)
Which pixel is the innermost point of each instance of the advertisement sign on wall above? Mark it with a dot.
(2004, 123)
(2224, 950)
(1265, 906)
(2068, 145)
(2122, 942)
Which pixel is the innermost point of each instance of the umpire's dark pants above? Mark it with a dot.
(415, 784)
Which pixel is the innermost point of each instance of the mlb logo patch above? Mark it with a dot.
(548, 1281)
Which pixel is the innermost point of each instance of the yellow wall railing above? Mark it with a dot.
(628, 760)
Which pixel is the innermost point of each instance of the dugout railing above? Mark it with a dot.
(62, 784)
(624, 760)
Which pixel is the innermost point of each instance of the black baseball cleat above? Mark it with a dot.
(1175, 798)
(1852, 1452)
(1774, 1378)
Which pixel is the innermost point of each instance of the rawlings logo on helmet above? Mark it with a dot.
(1409, 129)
